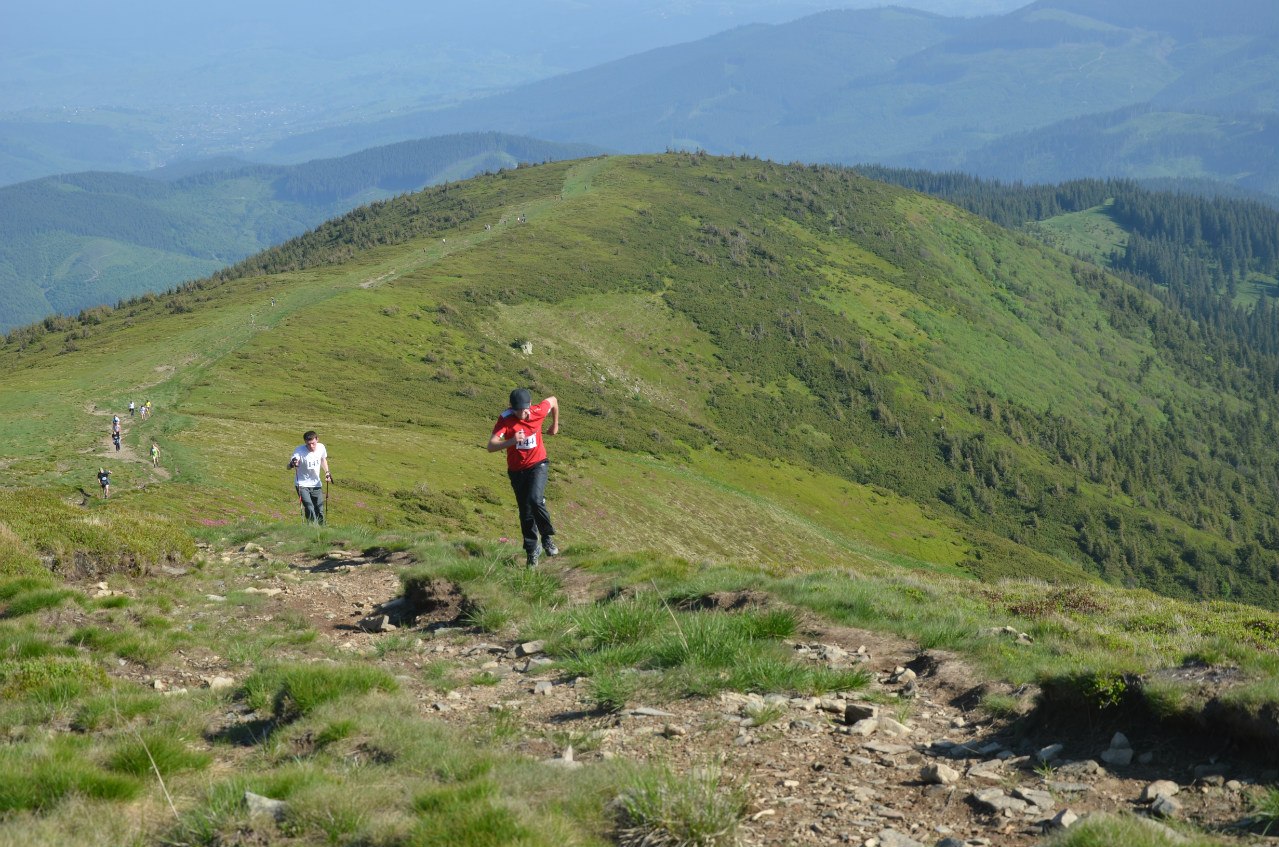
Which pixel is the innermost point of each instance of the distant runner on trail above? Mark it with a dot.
(155, 455)
(104, 479)
(518, 431)
(115, 439)
(132, 408)
(310, 460)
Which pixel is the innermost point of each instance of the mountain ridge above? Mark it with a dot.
(979, 401)
(940, 89)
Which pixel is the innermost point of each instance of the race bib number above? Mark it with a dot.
(526, 441)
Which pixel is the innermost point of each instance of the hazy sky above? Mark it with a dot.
(135, 84)
(127, 52)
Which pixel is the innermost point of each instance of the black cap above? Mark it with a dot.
(521, 399)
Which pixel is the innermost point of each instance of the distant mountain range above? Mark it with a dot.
(119, 87)
(1056, 90)
(80, 240)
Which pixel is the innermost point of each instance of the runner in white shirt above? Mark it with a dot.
(310, 463)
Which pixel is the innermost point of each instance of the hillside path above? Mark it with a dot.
(928, 765)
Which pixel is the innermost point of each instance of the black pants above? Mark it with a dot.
(530, 486)
(312, 503)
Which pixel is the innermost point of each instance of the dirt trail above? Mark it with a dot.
(816, 770)
(127, 452)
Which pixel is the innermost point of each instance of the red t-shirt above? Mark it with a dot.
(528, 449)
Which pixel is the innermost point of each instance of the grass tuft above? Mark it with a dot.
(143, 755)
(1265, 810)
(35, 777)
(662, 808)
(290, 693)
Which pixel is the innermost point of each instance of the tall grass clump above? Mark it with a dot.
(144, 754)
(1265, 811)
(640, 642)
(662, 808)
(1128, 830)
(294, 692)
(469, 813)
(37, 776)
(30, 602)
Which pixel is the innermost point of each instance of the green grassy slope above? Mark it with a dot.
(794, 367)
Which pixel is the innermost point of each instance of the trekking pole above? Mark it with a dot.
(328, 498)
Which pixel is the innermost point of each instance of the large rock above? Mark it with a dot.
(1064, 819)
(854, 712)
(260, 806)
(936, 773)
(996, 801)
(1165, 807)
(377, 623)
(1162, 787)
(1035, 797)
(893, 838)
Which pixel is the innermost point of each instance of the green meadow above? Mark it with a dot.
(870, 406)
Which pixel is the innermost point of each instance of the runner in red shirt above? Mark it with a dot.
(518, 431)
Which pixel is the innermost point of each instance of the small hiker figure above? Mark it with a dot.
(155, 455)
(132, 408)
(115, 424)
(115, 439)
(104, 479)
(146, 410)
(308, 461)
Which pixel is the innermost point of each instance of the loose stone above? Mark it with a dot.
(1063, 819)
(938, 774)
(1165, 807)
(1164, 787)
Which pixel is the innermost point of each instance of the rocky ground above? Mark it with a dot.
(909, 761)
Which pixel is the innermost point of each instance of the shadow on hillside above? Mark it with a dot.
(332, 565)
(247, 733)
